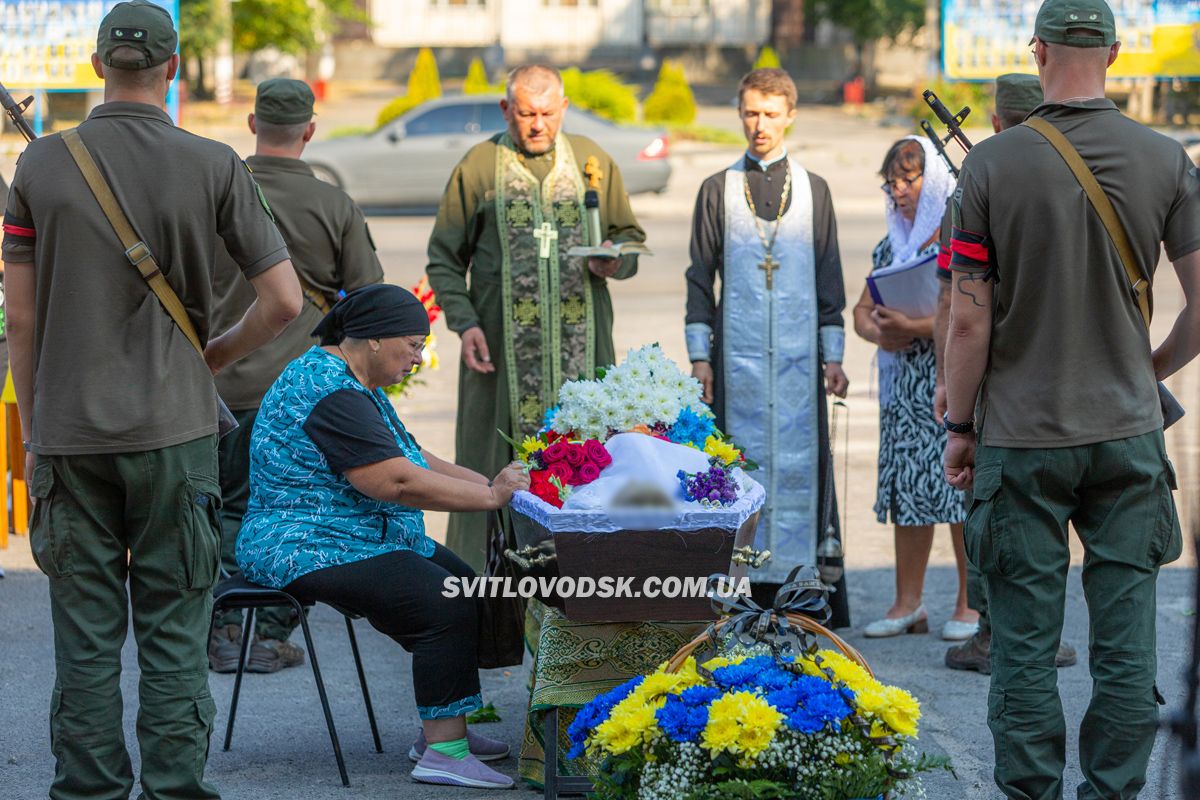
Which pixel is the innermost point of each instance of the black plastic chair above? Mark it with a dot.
(239, 593)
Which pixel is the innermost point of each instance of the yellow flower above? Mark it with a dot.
(893, 706)
(740, 722)
(848, 672)
(656, 685)
(688, 675)
(721, 731)
(629, 724)
(531, 445)
(723, 661)
(719, 448)
(903, 711)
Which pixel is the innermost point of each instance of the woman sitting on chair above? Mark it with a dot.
(337, 486)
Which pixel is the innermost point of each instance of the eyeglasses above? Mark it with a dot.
(892, 184)
(417, 345)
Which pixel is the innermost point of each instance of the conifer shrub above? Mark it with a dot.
(767, 58)
(424, 83)
(477, 78)
(672, 101)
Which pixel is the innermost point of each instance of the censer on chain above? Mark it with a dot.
(830, 547)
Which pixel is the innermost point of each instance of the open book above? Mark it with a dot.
(612, 251)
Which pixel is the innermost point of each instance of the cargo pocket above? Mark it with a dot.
(200, 527)
(980, 532)
(1167, 545)
(206, 712)
(49, 533)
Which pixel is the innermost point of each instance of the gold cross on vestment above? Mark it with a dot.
(545, 235)
(769, 265)
(593, 171)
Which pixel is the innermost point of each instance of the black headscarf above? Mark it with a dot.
(379, 311)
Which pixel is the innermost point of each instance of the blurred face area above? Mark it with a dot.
(765, 120)
(534, 114)
(904, 187)
(395, 358)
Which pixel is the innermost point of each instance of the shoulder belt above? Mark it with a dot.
(136, 250)
(1139, 282)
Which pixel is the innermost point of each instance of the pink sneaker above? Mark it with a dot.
(482, 747)
(441, 769)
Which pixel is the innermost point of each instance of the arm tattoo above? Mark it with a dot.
(965, 290)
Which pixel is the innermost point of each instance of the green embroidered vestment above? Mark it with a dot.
(551, 324)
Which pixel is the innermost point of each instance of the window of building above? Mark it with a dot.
(678, 6)
(571, 3)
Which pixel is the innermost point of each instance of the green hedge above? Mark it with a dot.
(672, 101)
(602, 93)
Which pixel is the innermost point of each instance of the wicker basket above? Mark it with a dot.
(799, 620)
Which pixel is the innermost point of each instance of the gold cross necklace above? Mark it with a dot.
(769, 264)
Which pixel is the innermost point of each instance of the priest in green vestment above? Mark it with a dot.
(530, 317)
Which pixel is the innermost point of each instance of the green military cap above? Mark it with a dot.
(1018, 92)
(284, 101)
(139, 24)
(1056, 17)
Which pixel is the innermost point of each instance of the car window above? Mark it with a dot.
(585, 123)
(491, 118)
(442, 121)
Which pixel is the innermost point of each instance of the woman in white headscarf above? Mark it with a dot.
(912, 491)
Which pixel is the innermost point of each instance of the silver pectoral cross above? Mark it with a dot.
(545, 235)
(769, 265)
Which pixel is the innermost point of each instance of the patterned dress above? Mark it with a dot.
(912, 487)
(302, 515)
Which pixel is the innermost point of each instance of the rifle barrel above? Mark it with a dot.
(15, 112)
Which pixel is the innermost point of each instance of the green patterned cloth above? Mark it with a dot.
(549, 325)
(574, 662)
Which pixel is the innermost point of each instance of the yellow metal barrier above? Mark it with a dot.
(12, 461)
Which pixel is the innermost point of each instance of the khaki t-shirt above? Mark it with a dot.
(113, 373)
(1070, 356)
(332, 251)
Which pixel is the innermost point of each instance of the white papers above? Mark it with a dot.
(910, 287)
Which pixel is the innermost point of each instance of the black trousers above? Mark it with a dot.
(400, 594)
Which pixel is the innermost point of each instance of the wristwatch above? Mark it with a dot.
(957, 427)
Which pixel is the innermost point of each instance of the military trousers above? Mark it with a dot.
(1117, 494)
(113, 531)
(233, 460)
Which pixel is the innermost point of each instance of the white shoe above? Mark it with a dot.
(956, 631)
(916, 622)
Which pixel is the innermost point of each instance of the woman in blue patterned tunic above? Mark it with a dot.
(336, 490)
(912, 491)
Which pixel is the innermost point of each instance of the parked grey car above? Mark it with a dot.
(406, 163)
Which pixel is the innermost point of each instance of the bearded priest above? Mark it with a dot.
(530, 316)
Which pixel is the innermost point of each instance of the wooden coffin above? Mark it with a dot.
(627, 557)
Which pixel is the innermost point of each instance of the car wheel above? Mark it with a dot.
(324, 173)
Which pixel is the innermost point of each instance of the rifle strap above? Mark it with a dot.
(1138, 281)
(313, 294)
(136, 250)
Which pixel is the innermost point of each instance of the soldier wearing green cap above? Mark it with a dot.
(120, 408)
(1016, 95)
(1050, 364)
(332, 252)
